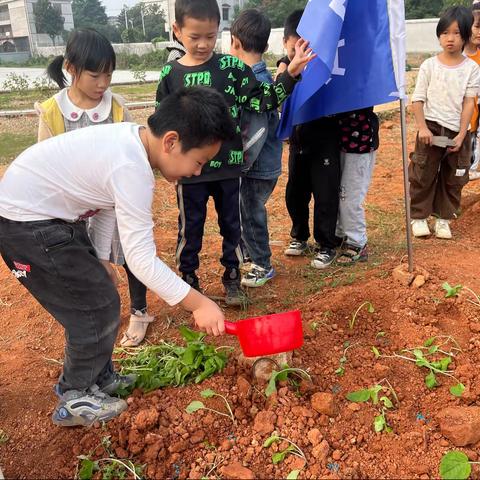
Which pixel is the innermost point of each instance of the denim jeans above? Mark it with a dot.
(357, 171)
(254, 194)
(56, 262)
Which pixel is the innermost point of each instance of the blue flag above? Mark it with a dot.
(360, 47)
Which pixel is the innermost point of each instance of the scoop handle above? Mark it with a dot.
(231, 328)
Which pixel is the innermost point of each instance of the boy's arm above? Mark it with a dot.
(163, 89)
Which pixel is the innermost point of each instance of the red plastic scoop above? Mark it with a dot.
(268, 334)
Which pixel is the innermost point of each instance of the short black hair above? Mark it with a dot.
(476, 8)
(197, 9)
(252, 29)
(86, 49)
(463, 16)
(199, 115)
(291, 24)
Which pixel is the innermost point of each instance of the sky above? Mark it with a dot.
(114, 7)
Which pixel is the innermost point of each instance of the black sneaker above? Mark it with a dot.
(234, 294)
(296, 248)
(192, 280)
(324, 258)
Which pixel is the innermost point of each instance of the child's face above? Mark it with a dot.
(289, 45)
(176, 164)
(91, 84)
(475, 39)
(450, 40)
(198, 37)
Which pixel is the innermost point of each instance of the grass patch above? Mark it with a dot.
(23, 100)
(137, 93)
(12, 144)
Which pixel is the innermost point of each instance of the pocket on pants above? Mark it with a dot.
(56, 236)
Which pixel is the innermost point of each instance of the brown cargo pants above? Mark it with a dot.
(437, 177)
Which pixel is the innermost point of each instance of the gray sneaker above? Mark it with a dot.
(87, 407)
(116, 382)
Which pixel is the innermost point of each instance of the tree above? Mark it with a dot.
(48, 19)
(151, 26)
(88, 13)
(276, 10)
(431, 8)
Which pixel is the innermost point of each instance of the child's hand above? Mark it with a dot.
(458, 143)
(425, 136)
(303, 55)
(209, 318)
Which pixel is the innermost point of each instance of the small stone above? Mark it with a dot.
(238, 471)
(354, 407)
(444, 443)
(264, 422)
(197, 437)
(419, 281)
(314, 436)
(461, 425)
(244, 387)
(337, 455)
(402, 275)
(146, 419)
(324, 403)
(320, 452)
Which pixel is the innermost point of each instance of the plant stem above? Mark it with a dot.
(351, 322)
(220, 413)
(228, 406)
(114, 460)
(300, 451)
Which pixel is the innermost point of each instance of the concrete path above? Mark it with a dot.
(119, 76)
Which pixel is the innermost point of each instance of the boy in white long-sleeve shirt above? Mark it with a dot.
(103, 172)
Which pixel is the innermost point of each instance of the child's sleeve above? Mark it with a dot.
(44, 131)
(262, 96)
(423, 80)
(163, 88)
(473, 85)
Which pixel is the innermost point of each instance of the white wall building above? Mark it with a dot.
(18, 32)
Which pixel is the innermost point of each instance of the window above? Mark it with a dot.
(225, 13)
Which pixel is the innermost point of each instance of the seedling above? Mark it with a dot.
(198, 405)
(454, 292)
(3, 437)
(351, 322)
(166, 364)
(434, 358)
(282, 375)
(340, 371)
(110, 468)
(280, 456)
(360, 396)
(455, 465)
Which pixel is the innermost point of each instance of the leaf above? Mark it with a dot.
(194, 406)
(282, 375)
(457, 390)
(270, 441)
(451, 291)
(418, 353)
(380, 334)
(208, 393)
(455, 466)
(340, 371)
(431, 380)
(429, 342)
(421, 362)
(87, 468)
(359, 396)
(293, 475)
(370, 308)
(376, 352)
(374, 393)
(279, 457)
(379, 423)
(272, 386)
(190, 335)
(387, 402)
(444, 363)
(432, 349)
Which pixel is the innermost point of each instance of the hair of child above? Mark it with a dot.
(198, 114)
(86, 49)
(252, 29)
(476, 8)
(291, 24)
(463, 16)
(197, 9)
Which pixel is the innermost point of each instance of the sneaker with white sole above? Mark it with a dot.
(473, 175)
(420, 228)
(324, 258)
(257, 276)
(86, 407)
(296, 248)
(442, 229)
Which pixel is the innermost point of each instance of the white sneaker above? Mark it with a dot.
(474, 175)
(420, 228)
(442, 229)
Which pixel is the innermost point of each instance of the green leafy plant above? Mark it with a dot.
(110, 468)
(451, 291)
(351, 322)
(280, 456)
(340, 371)
(282, 375)
(380, 422)
(432, 356)
(455, 465)
(198, 405)
(168, 364)
(293, 475)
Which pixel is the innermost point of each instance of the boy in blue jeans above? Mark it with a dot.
(196, 26)
(263, 161)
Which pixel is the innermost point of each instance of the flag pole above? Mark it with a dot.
(406, 183)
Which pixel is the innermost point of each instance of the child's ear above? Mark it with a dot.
(70, 68)
(236, 43)
(177, 31)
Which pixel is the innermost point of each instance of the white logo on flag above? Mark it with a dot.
(338, 6)
(337, 70)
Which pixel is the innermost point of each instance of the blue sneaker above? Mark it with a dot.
(257, 276)
(87, 407)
